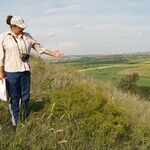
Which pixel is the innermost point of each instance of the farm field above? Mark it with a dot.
(113, 69)
(114, 73)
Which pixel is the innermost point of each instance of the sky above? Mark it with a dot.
(78, 27)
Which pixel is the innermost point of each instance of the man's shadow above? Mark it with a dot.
(36, 106)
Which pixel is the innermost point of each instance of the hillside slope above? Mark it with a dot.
(71, 113)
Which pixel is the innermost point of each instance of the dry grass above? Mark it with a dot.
(138, 110)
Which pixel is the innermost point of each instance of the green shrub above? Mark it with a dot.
(128, 83)
(90, 116)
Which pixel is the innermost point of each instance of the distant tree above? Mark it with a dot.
(128, 83)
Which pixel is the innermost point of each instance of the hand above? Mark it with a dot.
(57, 54)
(1, 75)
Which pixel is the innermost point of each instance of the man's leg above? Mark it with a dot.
(13, 86)
(25, 93)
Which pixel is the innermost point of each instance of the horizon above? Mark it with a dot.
(93, 55)
(84, 27)
(125, 53)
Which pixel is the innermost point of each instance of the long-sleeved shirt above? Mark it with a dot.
(10, 50)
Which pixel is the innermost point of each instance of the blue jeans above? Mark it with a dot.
(18, 86)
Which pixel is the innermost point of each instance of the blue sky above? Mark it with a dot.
(84, 26)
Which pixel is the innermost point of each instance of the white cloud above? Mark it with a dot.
(69, 45)
(121, 30)
(51, 34)
(130, 32)
(54, 10)
(63, 9)
(111, 29)
(47, 34)
(66, 47)
(80, 25)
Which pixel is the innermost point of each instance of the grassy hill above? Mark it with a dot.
(68, 112)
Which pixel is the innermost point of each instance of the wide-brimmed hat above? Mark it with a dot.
(18, 21)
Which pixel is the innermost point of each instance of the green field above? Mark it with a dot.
(112, 74)
(113, 68)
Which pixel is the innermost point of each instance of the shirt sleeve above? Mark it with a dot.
(36, 45)
(1, 51)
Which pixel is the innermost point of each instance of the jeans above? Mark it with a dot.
(18, 86)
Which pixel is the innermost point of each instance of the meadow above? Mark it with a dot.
(114, 67)
(69, 112)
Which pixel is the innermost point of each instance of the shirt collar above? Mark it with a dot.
(11, 33)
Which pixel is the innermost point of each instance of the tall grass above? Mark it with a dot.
(68, 112)
(138, 111)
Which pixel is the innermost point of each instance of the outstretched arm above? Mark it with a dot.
(42, 50)
(55, 54)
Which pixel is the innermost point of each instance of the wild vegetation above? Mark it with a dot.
(69, 112)
(128, 83)
(113, 68)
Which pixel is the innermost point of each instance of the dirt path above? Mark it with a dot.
(103, 67)
(89, 69)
